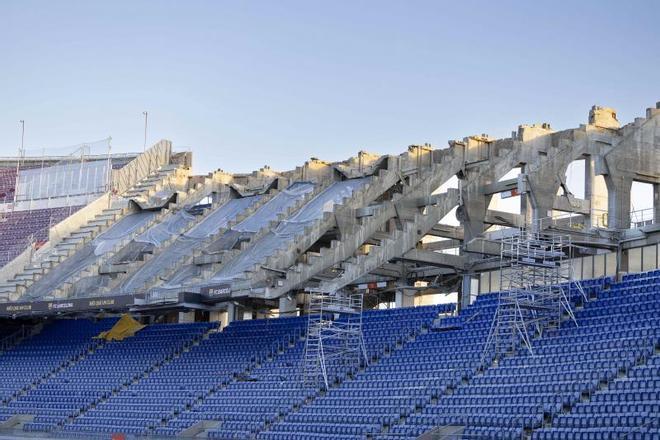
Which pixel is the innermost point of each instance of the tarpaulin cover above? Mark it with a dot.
(187, 242)
(262, 216)
(154, 237)
(89, 253)
(274, 207)
(157, 200)
(120, 230)
(166, 229)
(287, 230)
(266, 213)
(124, 328)
(90, 286)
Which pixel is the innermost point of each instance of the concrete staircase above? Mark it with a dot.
(75, 240)
(212, 263)
(68, 246)
(166, 177)
(167, 272)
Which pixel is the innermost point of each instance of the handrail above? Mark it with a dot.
(639, 427)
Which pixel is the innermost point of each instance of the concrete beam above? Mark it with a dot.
(446, 231)
(572, 205)
(499, 187)
(440, 245)
(434, 258)
(503, 218)
(483, 247)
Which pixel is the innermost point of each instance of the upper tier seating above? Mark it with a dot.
(17, 226)
(7, 184)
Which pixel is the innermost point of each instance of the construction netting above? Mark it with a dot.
(55, 177)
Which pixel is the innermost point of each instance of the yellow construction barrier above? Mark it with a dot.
(124, 328)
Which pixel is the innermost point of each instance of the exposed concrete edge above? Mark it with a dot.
(77, 219)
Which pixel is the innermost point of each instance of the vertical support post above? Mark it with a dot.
(656, 203)
(231, 312)
(618, 201)
(21, 151)
(288, 305)
(404, 298)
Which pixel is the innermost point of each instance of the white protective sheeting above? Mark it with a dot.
(287, 231)
(120, 230)
(89, 253)
(156, 201)
(166, 229)
(266, 213)
(187, 242)
(274, 207)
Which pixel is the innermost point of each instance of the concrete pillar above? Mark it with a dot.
(231, 312)
(216, 316)
(471, 215)
(595, 190)
(185, 317)
(469, 288)
(543, 186)
(465, 292)
(404, 298)
(656, 203)
(618, 201)
(288, 305)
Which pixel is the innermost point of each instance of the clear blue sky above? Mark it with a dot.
(249, 83)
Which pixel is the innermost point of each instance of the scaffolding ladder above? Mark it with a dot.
(536, 284)
(334, 344)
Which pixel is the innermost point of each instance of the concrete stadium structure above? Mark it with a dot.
(221, 269)
(386, 231)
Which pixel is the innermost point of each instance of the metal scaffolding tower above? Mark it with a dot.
(334, 344)
(536, 284)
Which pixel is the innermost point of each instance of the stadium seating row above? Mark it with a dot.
(18, 226)
(595, 378)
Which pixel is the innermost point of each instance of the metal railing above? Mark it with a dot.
(642, 217)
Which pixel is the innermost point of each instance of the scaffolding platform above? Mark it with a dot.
(334, 345)
(535, 281)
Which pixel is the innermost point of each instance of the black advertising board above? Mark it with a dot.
(70, 305)
(216, 292)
